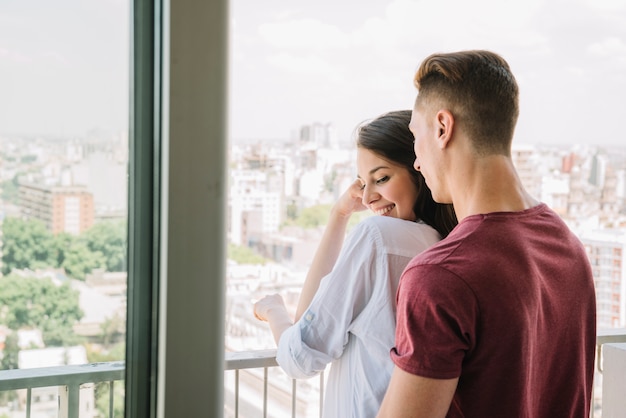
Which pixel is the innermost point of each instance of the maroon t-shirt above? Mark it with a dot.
(507, 304)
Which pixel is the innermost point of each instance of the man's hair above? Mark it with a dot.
(480, 91)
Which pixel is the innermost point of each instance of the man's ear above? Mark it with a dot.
(445, 124)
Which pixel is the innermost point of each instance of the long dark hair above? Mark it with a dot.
(389, 137)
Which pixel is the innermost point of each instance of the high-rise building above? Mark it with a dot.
(61, 208)
(526, 161)
(252, 209)
(606, 250)
(320, 135)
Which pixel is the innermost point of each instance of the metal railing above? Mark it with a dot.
(258, 363)
(69, 378)
(606, 401)
(606, 336)
(240, 362)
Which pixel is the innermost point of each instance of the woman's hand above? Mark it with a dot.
(272, 309)
(351, 200)
(268, 303)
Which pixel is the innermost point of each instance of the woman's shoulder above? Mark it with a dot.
(378, 223)
(394, 232)
(389, 223)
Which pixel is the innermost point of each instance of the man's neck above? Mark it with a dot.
(490, 184)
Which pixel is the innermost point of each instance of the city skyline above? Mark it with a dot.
(294, 64)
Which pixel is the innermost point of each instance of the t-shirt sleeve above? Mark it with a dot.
(436, 318)
(321, 334)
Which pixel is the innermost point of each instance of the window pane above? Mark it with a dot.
(303, 75)
(64, 113)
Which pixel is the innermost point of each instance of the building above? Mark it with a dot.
(320, 135)
(526, 160)
(61, 208)
(606, 250)
(253, 210)
(103, 302)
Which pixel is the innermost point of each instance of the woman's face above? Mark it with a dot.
(388, 189)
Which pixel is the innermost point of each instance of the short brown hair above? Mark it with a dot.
(480, 91)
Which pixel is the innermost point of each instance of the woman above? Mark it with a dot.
(346, 312)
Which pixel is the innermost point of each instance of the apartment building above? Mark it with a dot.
(61, 208)
(606, 250)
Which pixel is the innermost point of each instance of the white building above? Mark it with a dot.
(526, 160)
(252, 209)
(607, 251)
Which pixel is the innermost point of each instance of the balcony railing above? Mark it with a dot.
(69, 379)
(289, 397)
(251, 369)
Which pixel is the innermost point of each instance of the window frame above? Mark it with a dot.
(177, 207)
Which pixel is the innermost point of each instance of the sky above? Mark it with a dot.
(64, 64)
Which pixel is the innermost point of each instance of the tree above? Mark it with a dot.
(78, 260)
(9, 190)
(311, 217)
(244, 255)
(29, 302)
(102, 399)
(109, 239)
(26, 244)
(116, 353)
(112, 329)
(10, 353)
(317, 216)
(62, 243)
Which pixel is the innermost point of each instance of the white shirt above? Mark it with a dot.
(352, 318)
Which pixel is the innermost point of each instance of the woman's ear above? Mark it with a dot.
(445, 124)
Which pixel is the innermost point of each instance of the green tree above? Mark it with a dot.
(78, 260)
(244, 255)
(292, 211)
(112, 329)
(10, 353)
(29, 302)
(102, 399)
(30, 158)
(61, 243)
(316, 216)
(329, 181)
(74, 255)
(26, 244)
(109, 239)
(9, 190)
(115, 353)
(311, 217)
(99, 354)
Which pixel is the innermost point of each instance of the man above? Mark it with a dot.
(498, 319)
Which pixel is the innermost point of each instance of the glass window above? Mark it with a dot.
(303, 75)
(64, 148)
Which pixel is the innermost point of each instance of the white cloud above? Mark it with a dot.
(45, 58)
(54, 57)
(303, 33)
(304, 65)
(608, 47)
(450, 25)
(606, 5)
(14, 57)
